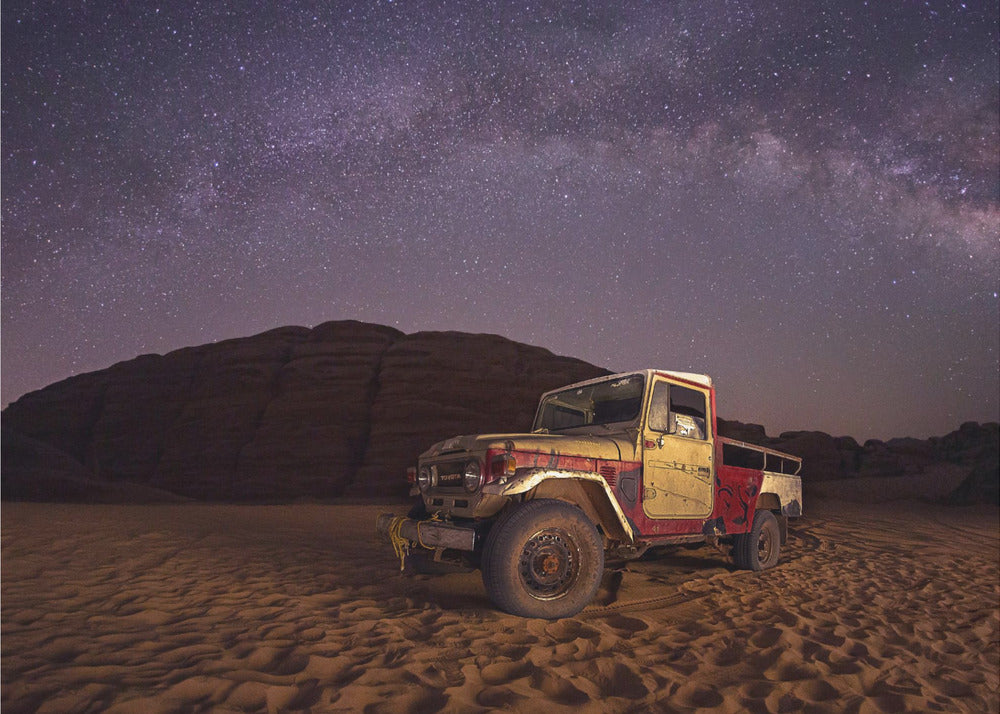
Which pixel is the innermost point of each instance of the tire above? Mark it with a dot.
(760, 547)
(543, 559)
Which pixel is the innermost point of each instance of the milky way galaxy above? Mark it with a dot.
(798, 198)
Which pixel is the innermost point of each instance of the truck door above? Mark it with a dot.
(677, 452)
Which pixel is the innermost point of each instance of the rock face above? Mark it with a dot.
(435, 385)
(293, 412)
(345, 408)
(39, 472)
(973, 447)
(980, 446)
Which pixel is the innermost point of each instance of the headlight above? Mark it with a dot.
(424, 478)
(472, 477)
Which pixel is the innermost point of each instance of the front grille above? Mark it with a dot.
(450, 473)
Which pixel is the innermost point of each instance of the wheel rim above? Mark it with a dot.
(765, 544)
(549, 564)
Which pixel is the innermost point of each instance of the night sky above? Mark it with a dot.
(798, 198)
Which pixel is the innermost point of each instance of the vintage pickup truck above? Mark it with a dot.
(612, 467)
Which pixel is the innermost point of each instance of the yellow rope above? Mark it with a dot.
(434, 517)
(399, 544)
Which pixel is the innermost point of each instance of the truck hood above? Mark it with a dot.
(613, 446)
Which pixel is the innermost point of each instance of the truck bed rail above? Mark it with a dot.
(752, 456)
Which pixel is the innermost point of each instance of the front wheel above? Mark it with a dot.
(544, 559)
(758, 549)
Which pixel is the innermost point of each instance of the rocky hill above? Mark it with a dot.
(344, 409)
(967, 461)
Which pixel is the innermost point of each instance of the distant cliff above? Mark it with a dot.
(971, 453)
(343, 409)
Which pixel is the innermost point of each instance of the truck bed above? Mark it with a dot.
(752, 456)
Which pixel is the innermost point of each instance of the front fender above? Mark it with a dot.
(601, 498)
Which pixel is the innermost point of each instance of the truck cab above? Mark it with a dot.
(612, 467)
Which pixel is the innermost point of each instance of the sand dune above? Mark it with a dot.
(188, 608)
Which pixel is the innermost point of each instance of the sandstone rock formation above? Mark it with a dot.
(35, 471)
(345, 408)
(290, 413)
(434, 385)
(973, 448)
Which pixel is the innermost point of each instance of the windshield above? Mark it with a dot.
(609, 402)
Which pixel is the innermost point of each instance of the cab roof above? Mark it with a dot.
(702, 380)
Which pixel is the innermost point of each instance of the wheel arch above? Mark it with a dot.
(587, 491)
(589, 498)
(781, 494)
(769, 502)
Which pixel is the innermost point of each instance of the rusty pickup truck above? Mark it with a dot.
(612, 467)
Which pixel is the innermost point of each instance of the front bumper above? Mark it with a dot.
(428, 534)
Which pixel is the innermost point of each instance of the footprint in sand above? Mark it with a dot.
(697, 696)
(626, 626)
(789, 670)
(784, 702)
(557, 689)
(728, 656)
(570, 630)
(838, 664)
(757, 690)
(817, 690)
(498, 698)
(618, 681)
(504, 672)
(766, 637)
(438, 676)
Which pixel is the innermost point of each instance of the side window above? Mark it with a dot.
(674, 409)
(659, 408)
(687, 413)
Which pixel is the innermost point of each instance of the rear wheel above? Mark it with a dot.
(544, 559)
(758, 549)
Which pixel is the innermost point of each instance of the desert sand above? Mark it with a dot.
(187, 608)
